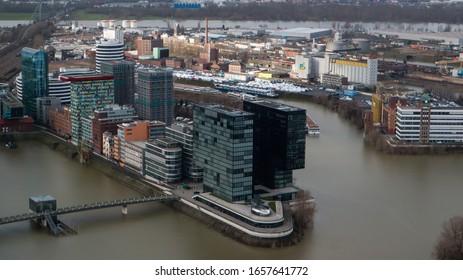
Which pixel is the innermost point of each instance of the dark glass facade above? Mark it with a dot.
(124, 80)
(35, 78)
(279, 142)
(155, 100)
(222, 146)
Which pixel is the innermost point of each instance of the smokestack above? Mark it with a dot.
(206, 40)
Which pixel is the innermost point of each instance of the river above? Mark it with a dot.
(370, 206)
(357, 26)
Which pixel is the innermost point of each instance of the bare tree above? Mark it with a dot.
(303, 211)
(450, 243)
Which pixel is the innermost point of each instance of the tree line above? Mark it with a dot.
(451, 14)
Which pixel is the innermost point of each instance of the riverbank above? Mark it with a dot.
(384, 143)
(138, 183)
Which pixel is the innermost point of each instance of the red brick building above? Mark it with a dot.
(60, 121)
(175, 62)
(107, 120)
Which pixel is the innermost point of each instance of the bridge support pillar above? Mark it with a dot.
(124, 209)
(44, 223)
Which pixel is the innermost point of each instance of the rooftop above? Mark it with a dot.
(275, 105)
(225, 110)
(245, 209)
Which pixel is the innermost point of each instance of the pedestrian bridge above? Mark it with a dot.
(86, 207)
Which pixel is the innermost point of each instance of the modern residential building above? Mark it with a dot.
(44, 105)
(155, 95)
(183, 134)
(163, 160)
(279, 143)
(223, 147)
(108, 50)
(156, 129)
(35, 78)
(129, 142)
(426, 124)
(107, 119)
(123, 72)
(88, 92)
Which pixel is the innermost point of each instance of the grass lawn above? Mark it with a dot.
(152, 18)
(15, 16)
(82, 15)
(272, 206)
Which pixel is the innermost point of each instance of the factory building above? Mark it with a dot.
(449, 38)
(302, 33)
(361, 71)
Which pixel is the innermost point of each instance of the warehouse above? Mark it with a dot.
(448, 38)
(301, 33)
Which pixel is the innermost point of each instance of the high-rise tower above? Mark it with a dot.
(124, 80)
(223, 147)
(35, 78)
(155, 100)
(279, 142)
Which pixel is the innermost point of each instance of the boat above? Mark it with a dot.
(11, 145)
(261, 92)
(312, 127)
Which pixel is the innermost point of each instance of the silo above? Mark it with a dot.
(105, 23)
(133, 23)
(126, 23)
(112, 23)
(363, 44)
(336, 45)
(321, 47)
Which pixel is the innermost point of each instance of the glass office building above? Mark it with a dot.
(124, 80)
(222, 146)
(279, 142)
(34, 65)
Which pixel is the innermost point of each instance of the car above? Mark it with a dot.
(185, 186)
